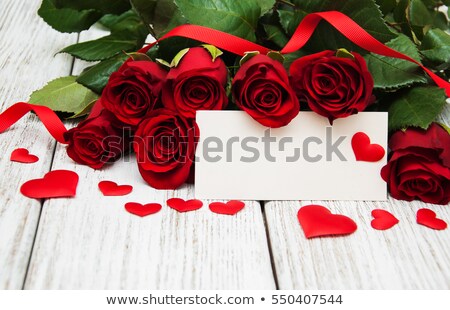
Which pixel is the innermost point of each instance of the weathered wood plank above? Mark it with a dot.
(92, 242)
(408, 256)
(27, 63)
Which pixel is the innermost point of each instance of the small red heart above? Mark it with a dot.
(427, 217)
(364, 150)
(230, 208)
(109, 188)
(58, 183)
(383, 219)
(318, 221)
(23, 156)
(184, 206)
(142, 210)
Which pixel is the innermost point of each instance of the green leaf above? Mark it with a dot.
(105, 47)
(162, 15)
(64, 95)
(247, 56)
(98, 75)
(343, 53)
(127, 21)
(67, 20)
(239, 18)
(276, 35)
(417, 107)
(176, 60)
(364, 12)
(386, 6)
(85, 111)
(105, 6)
(139, 56)
(265, 5)
(214, 51)
(276, 56)
(436, 46)
(392, 73)
(418, 14)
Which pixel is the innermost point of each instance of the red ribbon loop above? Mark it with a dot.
(219, 39)
(49, 118)
(355, 33)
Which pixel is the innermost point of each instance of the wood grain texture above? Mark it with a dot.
(408, 256)
(92, 242)
(27, 63)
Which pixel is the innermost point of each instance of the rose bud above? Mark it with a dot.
(332, 86)
(97, 140)
(165, 145)
(419, 167)
(261, 88)
(134, 91)
(196, 83)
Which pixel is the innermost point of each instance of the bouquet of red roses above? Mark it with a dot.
(269, 58)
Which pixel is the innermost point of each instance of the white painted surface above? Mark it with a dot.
(307, 159)
(27, 63)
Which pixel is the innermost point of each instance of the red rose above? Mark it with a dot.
(419, 167)
(134, 91)
(332, 86)
(196, 83)
(165, 148)
(97, 140)
(261, 88)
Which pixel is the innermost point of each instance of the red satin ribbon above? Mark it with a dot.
(238, 46)
(355, 33)
(219, 39)
(49, 118)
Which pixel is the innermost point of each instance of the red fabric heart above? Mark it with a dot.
(23, 156)
(184, 206)
(230, 208)
(58, 183)
(109, 188)
(364, 150)
(383, 219)
(142, 210)
(427, 217)
(318, 221)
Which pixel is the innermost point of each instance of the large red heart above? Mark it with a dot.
(142, 210)
(364, 150)
(383, 219)
(318, 221)
(230, 208)
(428, 218)
(23, 156)
(109, 188)
(58, 183)
(184, 206)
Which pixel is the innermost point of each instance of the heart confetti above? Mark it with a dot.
(181, 205)
(142, 210)
(383, 219)
(23, 156)
(427, 217)
(57, 183)
(230, 208)
(318, 221)
(109, 188)
(364, 150)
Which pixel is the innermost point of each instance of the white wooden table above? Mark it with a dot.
(91, 242)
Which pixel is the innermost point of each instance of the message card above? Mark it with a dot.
(237, 158)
